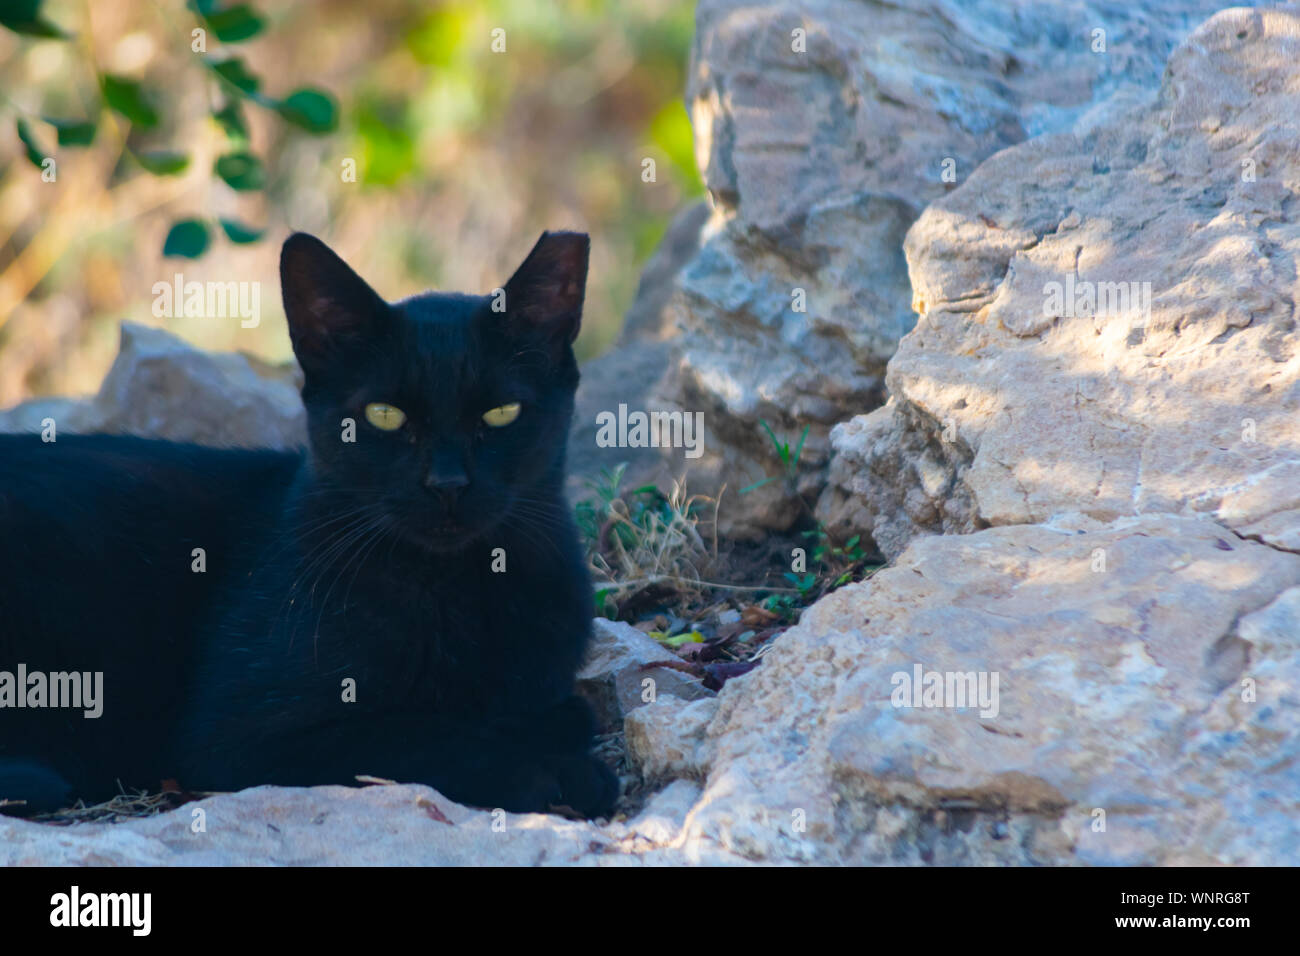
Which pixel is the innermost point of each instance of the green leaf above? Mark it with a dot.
(128, 98)
(670, 130)
(235, 24)
(242, 171)
(73, 132)
(187, 238)
(24, 17)
(756, 485)
(163, 162)
(312, 110)
(802, 582)
(35, 154)
(444, 32)
(799, 450)
(690, 637)
(388, 143)
(239, 233)
(604, 606)
(233, 71)
(231, 119)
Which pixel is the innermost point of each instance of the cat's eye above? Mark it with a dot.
(387, 418)
(502, 415)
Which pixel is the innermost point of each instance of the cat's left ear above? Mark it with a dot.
(545, 293)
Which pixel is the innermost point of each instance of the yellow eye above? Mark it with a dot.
(499, 417)
(386, 418)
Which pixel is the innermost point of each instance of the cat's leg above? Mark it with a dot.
(586, 784)
(566, 727)
(563, 736)
(40, 787)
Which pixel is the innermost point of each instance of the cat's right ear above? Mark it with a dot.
(332, 312)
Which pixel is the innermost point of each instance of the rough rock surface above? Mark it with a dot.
(819, 151)
(1127, 655)
(321, 826)
(161, 387)
(664, 738)
(630, 372)
(1169, 381)
(613, 679)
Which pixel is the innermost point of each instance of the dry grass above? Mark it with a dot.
(124, 806)
(648, 545)
(642, 544)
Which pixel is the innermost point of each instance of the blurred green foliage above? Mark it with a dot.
(468, 128)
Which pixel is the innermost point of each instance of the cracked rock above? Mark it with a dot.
(1107, 318)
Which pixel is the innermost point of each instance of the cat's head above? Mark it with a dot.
(442, 416)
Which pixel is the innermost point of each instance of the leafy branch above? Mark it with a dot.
(238, 166)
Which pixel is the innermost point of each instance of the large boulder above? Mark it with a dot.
(162, 387)
(823, 129)
(1108, 319)
(630, 372)
(1146, 707)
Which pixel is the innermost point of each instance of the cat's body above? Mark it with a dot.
(404, 601)
(96, 576)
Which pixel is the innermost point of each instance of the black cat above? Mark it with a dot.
(406, 598)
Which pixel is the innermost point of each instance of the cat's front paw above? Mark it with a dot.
(32, 786)
(587, 787)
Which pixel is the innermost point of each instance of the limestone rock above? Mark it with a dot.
(665, 739)
(1108, 319)
(1126, 480)
(161, 387)
(1122, 652)
(613, 677)
(321, 826)
(822, 130)
(629, 372)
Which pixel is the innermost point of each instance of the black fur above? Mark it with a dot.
(369, 562)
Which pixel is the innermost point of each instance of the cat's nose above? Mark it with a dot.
(446, 486)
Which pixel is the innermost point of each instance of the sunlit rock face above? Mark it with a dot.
(823, 130)
(1107, 319)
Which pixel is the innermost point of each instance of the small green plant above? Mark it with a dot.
(805, 583)
(839, 562)
(788, 457)
(786, 606)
